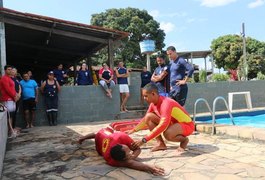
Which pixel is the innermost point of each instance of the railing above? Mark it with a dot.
(213, 114)
(195, 107)
(212, 111)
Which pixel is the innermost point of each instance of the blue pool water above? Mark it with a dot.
(252, 121)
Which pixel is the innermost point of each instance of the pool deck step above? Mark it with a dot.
(251, 133)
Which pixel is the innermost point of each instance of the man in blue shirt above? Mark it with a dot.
(60, 75)
(122, 77)
(178, 78)
(161, 76)
(30, 98)
(145, 79)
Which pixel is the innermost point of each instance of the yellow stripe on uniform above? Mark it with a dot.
(179, 115)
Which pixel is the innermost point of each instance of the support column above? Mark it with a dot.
(148, 66)
(110, 54)
(205, 66)
(2, 44)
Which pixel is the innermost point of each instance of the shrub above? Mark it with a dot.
(260, 76)
(202, 76)
(220, 77)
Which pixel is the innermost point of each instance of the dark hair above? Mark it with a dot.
(172, 48)
(105, 63)
(117, 153)
(7, 66)
(151, 87)
(161, 56)
(25, 72)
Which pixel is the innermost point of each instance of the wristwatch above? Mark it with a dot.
(144, 140)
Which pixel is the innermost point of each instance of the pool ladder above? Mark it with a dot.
(212, 111)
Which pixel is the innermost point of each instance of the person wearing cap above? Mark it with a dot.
(29, 98)
(106, 79)
(50, 89)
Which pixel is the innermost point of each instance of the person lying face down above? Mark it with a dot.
(116, 148)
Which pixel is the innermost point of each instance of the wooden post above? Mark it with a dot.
(2, 44)
(110, 53)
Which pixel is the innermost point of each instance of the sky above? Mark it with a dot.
(190, 25)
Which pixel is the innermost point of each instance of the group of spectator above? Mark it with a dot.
(13, 89)
(171, 80)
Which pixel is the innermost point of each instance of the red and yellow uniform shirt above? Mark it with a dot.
(105, 140)
(170, 112)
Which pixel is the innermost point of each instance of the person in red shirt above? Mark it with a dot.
(8, 93)
(116, 148)
(164, 116)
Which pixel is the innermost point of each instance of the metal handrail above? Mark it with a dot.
(195, 107)
(213, 113)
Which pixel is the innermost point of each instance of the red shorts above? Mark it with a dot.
(187, 128)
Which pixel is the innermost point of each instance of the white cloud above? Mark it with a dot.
(154, 13)
(167, 26)
(256, 3)
(194, 20)
(215, 3)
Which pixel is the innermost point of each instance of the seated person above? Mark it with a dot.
(164, 116)
(106, 79)
(116, 149)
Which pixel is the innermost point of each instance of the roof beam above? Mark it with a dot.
(46, 48)
(55, 31)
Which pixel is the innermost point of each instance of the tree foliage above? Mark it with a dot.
(227, 51)
(136, 22)
(228, 54)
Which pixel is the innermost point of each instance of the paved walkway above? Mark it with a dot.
(49, 153)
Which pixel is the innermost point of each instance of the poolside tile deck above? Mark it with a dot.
(50, 153)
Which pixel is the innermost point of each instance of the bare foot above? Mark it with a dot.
(183, 146)
(159, 148)
(184, 143)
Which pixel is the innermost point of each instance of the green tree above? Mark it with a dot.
(136, 22)
(227, 51)
(228, 54)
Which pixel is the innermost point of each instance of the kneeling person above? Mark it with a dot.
(117, 150)
(164, 116)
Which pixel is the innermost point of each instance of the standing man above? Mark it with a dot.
(8, 94)
(160, 76)
(60, 75)
(18, 91)
(164, 116)
(30, 98)
(178, 78)
(122, 77)
(145, 79)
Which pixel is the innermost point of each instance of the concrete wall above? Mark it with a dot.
(89, 103)
(210, 91)
(3, 138)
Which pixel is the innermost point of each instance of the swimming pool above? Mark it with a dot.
(251, 119)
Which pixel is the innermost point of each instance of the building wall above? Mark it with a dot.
(3, 138)
(89, 103)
